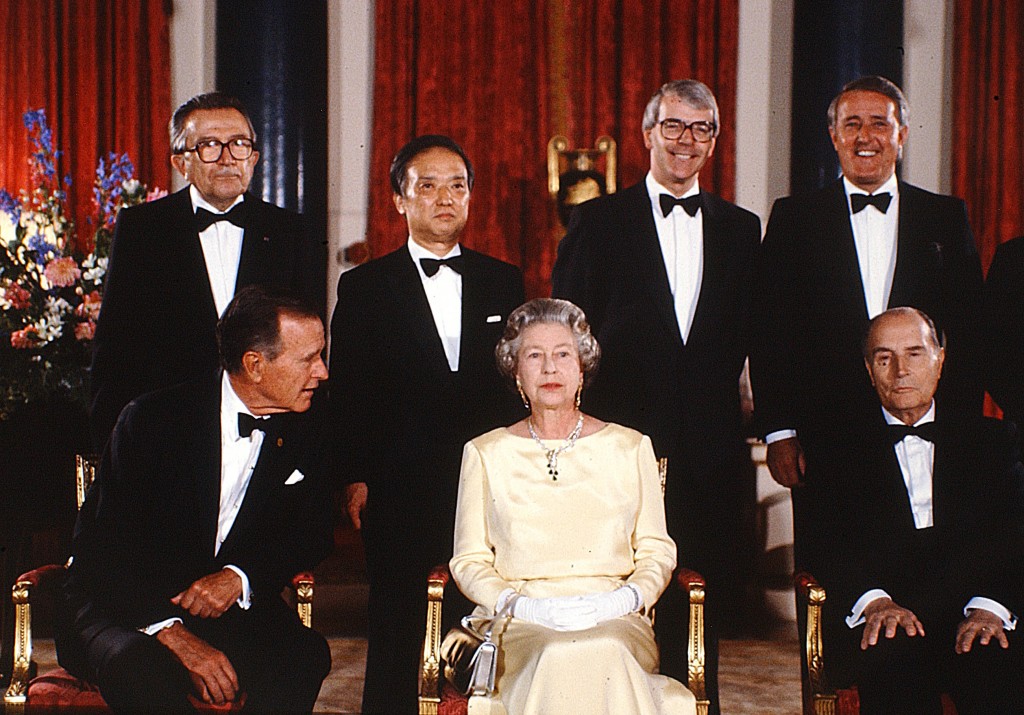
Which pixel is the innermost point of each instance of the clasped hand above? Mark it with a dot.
(575, 613)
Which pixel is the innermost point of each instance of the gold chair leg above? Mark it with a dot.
(430, 663)
(21, 673)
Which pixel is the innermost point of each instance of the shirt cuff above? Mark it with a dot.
(1009, 620)
(157, 627)
(856, 616)
(245, 600)
(779, 435)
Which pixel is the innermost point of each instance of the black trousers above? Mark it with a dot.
(907, 676)
(280, 663)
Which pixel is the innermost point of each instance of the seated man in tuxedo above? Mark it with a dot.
(209, 498)
(927, 569)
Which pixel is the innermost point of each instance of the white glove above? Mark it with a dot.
(615, 604)
(571, 613)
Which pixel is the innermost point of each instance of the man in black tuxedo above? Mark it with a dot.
(210, 497)
(832, 260)
(930, 514)
(176, 262)
(663, 272)
(412, 350)
(1004, 329)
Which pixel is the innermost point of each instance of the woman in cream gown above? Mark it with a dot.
(560, 521)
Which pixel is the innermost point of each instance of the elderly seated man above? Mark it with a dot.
(209, 497)
(926, 580)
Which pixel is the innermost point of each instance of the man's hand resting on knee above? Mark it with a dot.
(213, 676)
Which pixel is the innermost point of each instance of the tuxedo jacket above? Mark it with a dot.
(975, 547)
(400, 416)
(158, 319)
(807, 366)
(685, 397)
(148, 527)
(1004, 328)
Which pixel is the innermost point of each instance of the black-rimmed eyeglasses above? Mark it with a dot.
(210, 150)
(673, 129)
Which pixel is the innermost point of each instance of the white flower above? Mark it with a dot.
(95, 268)
(8, 229)
(51, 325)
(130, 185)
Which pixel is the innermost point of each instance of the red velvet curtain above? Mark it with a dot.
(101, 70)
(988, 118)
(503, 78)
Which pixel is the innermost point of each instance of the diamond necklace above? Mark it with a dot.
(552, 454)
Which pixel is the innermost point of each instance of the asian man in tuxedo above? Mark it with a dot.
(412, 350)
(832, 260)
(176, 262)
(211, 495)
(663, 271)
(929, 540)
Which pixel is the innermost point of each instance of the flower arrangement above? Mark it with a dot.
(50, 288)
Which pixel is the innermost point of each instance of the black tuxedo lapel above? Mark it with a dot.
(653, 278)
(206, 465)
(714, 273)
(267, 475)
(837, 235)
(255, 264)
(915, 254)
(474, 314)
(419, 319)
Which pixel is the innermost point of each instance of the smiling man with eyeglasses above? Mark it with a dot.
(662, 270)
(177, 262)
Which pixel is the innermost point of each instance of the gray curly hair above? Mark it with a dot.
(547, 311)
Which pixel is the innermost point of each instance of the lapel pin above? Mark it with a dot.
(266, 239)
(280, 442)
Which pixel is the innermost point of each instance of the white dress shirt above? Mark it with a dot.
(444, 293)
(874, 234)
(222, 250)
(916, 457)
(682, 248)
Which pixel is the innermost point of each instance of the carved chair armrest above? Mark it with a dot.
(430, 661)
(694, 585)
(303, 584)
(47, 578)
(818, 698)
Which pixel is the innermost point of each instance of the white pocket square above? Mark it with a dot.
(294, 478)
(493, 318)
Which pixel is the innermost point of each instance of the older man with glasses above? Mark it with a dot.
(177, 262)
(663, 271)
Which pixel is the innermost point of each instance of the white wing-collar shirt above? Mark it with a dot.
(682, 248)
(444, 293)
(222, 250)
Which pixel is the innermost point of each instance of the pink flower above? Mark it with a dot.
(24, 339)
(89, 309)
(18, 297)
(62, 272)
(156, 194)
(85, 331)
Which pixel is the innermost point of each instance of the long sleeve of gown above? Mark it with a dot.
(654, 551)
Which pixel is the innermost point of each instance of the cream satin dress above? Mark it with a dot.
(600, 525)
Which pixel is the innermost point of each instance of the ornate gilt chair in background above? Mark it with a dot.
(439, 697)
(573, 176)
(819, 697)
(58, 688)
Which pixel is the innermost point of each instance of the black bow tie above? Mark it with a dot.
(926, 431)
(247, 423)
(205, 219)
(690, 204)
(432, 265)
(879, 201)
